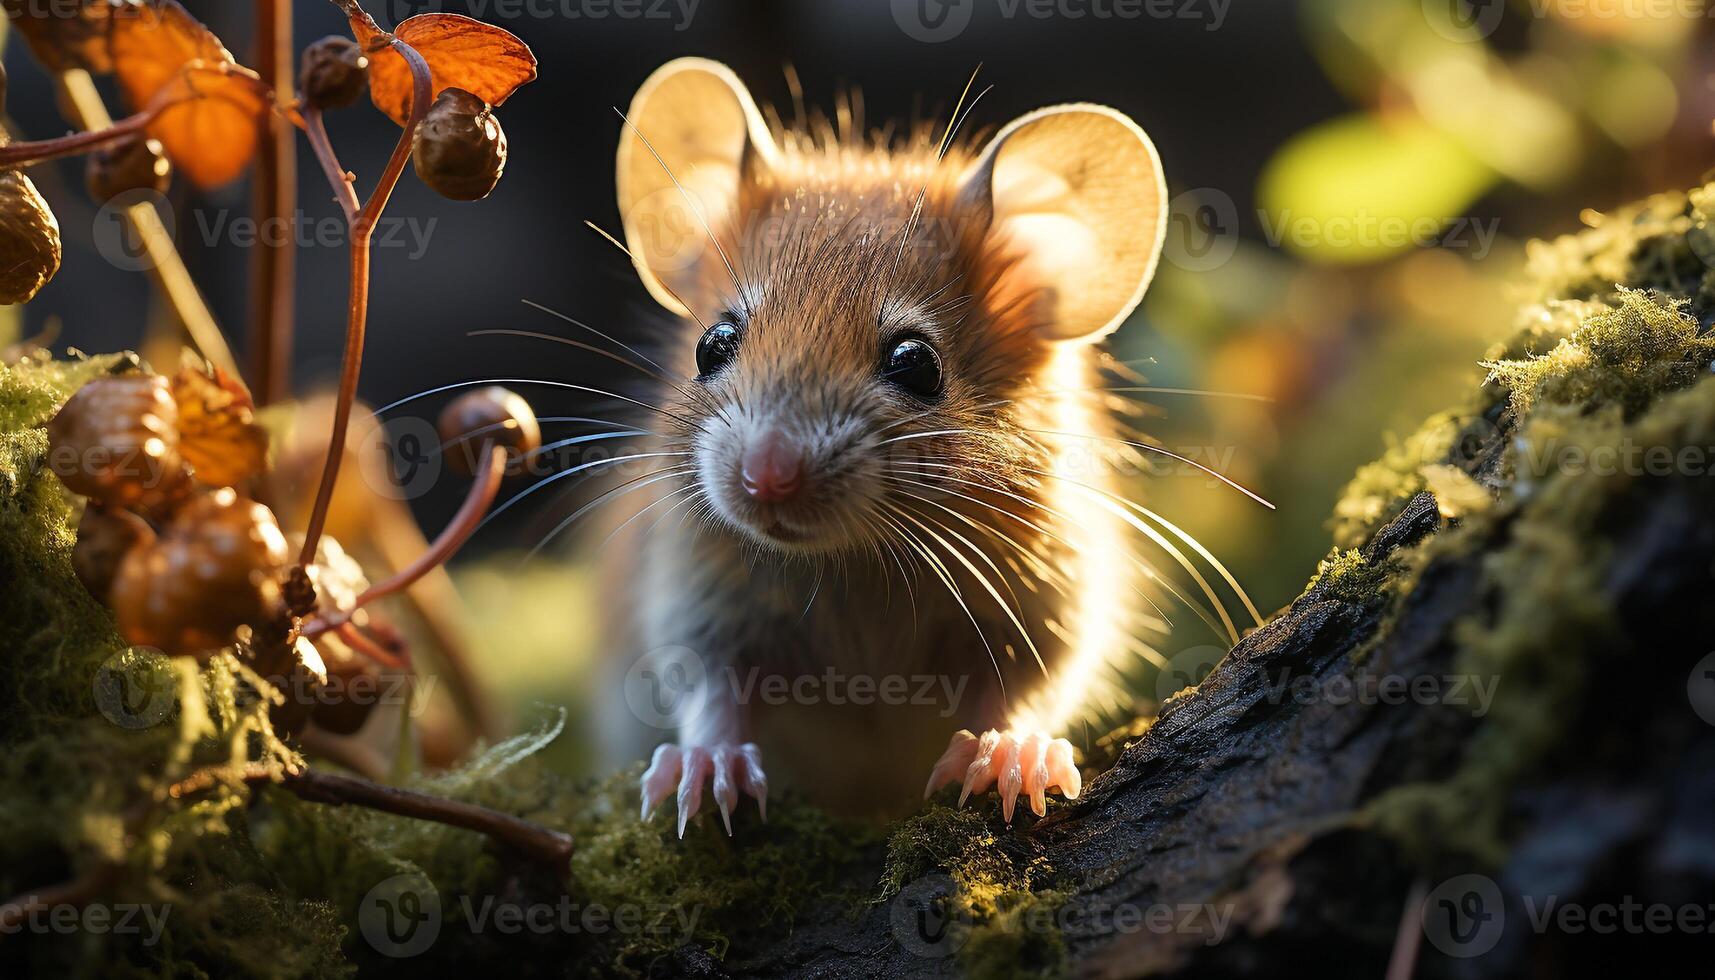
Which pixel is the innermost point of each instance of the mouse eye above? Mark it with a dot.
(914, 366)
(716, 348)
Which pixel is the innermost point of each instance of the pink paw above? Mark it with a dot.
(733, 767)
(1012, 762)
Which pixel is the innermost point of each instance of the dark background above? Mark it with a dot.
(1346, 350)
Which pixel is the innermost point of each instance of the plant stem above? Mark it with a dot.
(358, 308)
(274, 262)
(31, 152)
(457, 531)
(83, 103)
(337, 175)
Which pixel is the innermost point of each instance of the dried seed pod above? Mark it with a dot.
(484, 416)
(105, 536)
(303, 687)
(354, 687)
(116, 440)
(333, 73)
(29, 239)
(213, 569)
(460, 149)
(134, 165)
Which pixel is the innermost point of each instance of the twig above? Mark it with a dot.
(276, 195)
(31, 152)
(357, 309)
(83, 101)
(337, 175)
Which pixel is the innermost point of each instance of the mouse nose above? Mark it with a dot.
(772, 469)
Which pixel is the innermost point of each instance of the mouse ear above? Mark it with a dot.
(1076, 191)
(692, 131)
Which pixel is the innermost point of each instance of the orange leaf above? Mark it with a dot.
(486, 61)
(218, 434)
(210, 132)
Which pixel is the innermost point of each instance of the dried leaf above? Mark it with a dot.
(62, 38)
(484, 60)
(211, 134)
(218, 434)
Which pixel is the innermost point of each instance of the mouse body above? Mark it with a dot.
(881, 546)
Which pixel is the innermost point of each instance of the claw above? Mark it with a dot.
(961, 751)
(1033, 758)
(981, 773)
(1061, 770)
(659, 778)
(1011, 779)
(696, 769)
(726, 794)
(754, 780)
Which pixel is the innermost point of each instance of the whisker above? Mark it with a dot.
(581, 467)
(1146, 447)
(535, 381)
(611, 495)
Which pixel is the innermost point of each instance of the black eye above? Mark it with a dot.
(716, 348)
(914, 366)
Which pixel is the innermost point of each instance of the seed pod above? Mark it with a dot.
(332, 73)
(213, 569)
(29, 239)
(487, 416)
(105, 536)
(116, 440)
(302, 685)
(354, 686)
(134, 165)
(460, 149)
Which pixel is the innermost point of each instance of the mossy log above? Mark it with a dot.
(1513, 682)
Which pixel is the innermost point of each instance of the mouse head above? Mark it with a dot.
(871, 321)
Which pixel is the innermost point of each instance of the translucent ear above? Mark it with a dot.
(692, 120)
(1077, 192)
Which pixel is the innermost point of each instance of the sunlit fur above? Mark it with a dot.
(955, 536)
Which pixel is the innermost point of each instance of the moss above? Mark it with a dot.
(1380, 489)
(1002, 893)
(1349, 576)
(1611, 363)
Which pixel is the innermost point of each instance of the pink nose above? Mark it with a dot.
(773, 468)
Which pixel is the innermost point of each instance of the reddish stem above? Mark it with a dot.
(28, 153)
(357, 640)
(454, 535)
(338, 176)
(276, 197)
(358, 308)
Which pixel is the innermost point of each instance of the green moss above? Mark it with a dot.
(1004, 894)
(1349, 576)
(1604, 369)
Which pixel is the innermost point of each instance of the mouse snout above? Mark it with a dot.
(772, 469)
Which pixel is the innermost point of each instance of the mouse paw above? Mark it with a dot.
(1012, 762)
(729, 766)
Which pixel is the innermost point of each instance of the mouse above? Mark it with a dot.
(878, 543)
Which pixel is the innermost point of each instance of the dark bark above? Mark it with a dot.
(1249, 800)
